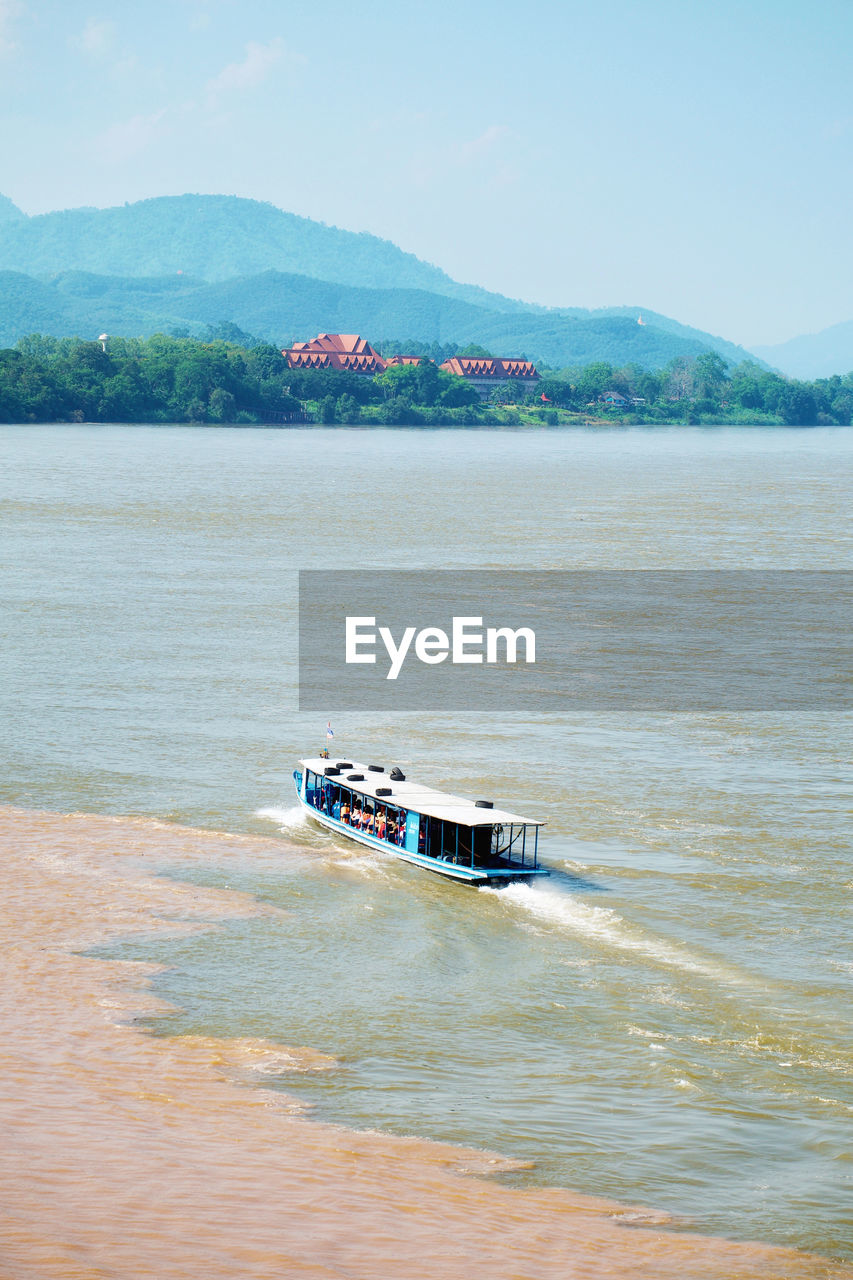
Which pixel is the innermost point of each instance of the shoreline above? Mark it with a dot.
(570, 422)
(127, 1154)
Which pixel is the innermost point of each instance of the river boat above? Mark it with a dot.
(465, 840)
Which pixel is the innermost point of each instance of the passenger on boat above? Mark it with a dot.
(344, 811)
(356, 814)
(380, 824)
(391, 829)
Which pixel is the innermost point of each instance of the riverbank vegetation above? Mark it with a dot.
(232, 379)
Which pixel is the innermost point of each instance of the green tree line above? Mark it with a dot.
(230, 378)
(703, 390)
(178, 379)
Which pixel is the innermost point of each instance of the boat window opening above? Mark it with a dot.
(443, 841)
(509, 844)
(395, 825)
(481, 846)
(453, 842)
(353, 809)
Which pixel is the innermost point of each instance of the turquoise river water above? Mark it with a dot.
(667, 1019)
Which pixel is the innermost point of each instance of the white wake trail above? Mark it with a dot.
(607, 928)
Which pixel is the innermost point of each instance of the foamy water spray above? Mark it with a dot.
(605, 927)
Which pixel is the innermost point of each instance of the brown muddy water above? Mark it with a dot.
(664, 1023)
(128, 1155)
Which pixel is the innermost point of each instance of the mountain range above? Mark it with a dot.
(813, 355)
(186, 262)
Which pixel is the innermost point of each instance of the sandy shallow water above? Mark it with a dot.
(126, 1155)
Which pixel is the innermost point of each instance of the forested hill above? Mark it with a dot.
(194, 260)
(216, 238)
(279, 308)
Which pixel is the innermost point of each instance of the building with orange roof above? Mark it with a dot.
(349, 352)
(343, 352)
(487, 373)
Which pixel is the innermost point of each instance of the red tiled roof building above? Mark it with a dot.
(340, 351)
(484, 374)
(349, 352)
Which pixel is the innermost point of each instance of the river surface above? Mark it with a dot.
(668, 1019)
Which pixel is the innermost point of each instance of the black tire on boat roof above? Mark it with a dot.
(355, 777)
(331, 772)
(383, 791)
(483, 804)
(344, 764)
(396, 775)
(376, 768)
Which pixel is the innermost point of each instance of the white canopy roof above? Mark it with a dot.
(414, 795)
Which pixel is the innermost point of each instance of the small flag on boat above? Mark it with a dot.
(330, 733)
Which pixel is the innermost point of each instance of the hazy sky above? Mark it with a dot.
(688, 156)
